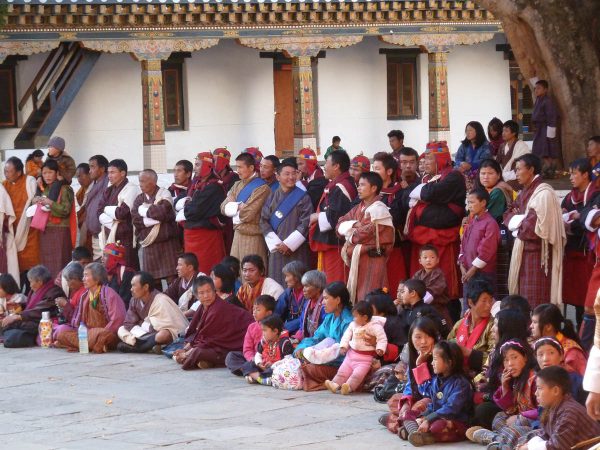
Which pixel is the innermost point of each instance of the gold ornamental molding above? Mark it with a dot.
(147, 49)
(297, 46)
(437, 42)
(8, 48)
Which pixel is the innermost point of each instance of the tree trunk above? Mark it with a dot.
(559, 41)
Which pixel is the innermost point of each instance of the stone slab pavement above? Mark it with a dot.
(51, 399)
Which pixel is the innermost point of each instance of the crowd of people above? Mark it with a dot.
(435, 282)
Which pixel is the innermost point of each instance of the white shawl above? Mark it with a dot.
(162, 194)
(7, 212)
(128, 195)
(550, 229)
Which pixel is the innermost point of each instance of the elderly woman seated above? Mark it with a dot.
(217, 328)
(21, 329)
(313, 313)
(100, 309)
(72, 279)
(291, 303)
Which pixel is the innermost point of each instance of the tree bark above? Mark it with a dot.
(559, 41)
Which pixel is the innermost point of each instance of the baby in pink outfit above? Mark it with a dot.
(359, 353)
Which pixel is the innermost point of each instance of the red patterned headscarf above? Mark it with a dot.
(206, 158)
(221, 158)
(310, 157)
(441, 153)
(361, 162)
(256, 154)
(115, 256)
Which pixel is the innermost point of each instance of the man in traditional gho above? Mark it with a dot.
(510, 151)
(369, 232)
(222, 157)
(155, 228)
(358, 165)
(114, 211)
(284, 221)
(203, 229)
(182, 179)
(579, 259)
(545, 118)
(386, 167)
(336, 201)
(535, 220)
(187, 269)
(257, 155)
(268, 171)
(21, 189)
(81, 196)
(244, 204)
(311, 175)
(396, 140)
(152, 318)
(98, 174)
(438, 206)
(9, 262)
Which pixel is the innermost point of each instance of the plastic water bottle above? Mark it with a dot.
(45, 329)
(82, 335)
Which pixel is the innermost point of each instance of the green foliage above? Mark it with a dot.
(3, 14)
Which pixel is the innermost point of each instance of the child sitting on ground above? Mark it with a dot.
(274, 346)
(359, 353)
(564, 422)
(263, 307)
(412, 294)
(451, 393)
(516, 397)
(435, 282)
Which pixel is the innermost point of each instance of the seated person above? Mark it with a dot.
(412, 295)
(224, 280)
(187, 269)
(313, 313)
(83, 256)
(72, 275)
(255, 282)
(263, 307)
(152, 318)
(119, 275)
(291, 303)
(11, 299)
(274, 346)
(21, 329)
(473, 333)
(217, 328)
(383, 306)
(100, 309)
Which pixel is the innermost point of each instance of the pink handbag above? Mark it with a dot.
(40, 219)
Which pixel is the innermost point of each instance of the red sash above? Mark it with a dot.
(462, 334)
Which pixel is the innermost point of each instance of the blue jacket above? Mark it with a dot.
(474, 156)
(289, 311)
(332, 327)
(451, 398)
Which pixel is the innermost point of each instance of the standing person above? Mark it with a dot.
(243, 204)
(119, 276)
(479, 245)
(336, 201)
(222, 157)
(98, 174)
(591, 380)
(311, 175)
(34, 162)
(437, 214)
(545, 118)
(268, 171)
(66, 165)
(358, 165)
(494, 133)
(593, 153)
(510, 150)
(56, 241)
(155, 228)
(182, 179)
(284, 221)
(473, 149)
(578, 259)
(81, 196)
(369, 232)
(21, 190)
(114, 211)
(256, 155)
(396, 140)
(203, 230)
(535, 219)
(335, 145)
(9, 262)
(386, 167)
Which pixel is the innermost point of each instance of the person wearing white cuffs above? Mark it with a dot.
(155, 228)
(284, 221)
(512, 149)
(114, 211)
(244, 204)
(545, 118)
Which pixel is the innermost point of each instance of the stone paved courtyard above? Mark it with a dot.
(51, 399)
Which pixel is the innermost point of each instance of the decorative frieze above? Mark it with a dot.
(437, 41)
(146, 49)
(8, 48)
(300, 46)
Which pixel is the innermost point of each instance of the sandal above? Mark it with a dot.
(403, 434)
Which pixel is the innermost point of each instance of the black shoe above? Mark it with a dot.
(383, 419)
(146, 345)
(122, 347)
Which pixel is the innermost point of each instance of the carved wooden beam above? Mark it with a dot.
(150, 49)
(439, 39)
(297, 46)
(8, 48)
